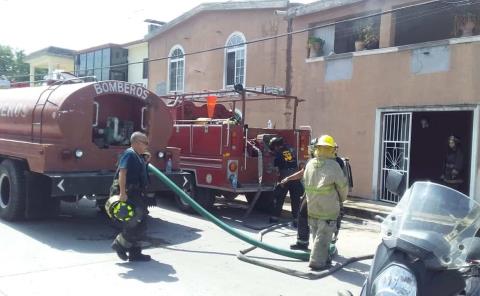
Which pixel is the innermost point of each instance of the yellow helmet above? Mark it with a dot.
(326, 140)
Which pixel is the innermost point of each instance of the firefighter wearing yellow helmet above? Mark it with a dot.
(326, 188)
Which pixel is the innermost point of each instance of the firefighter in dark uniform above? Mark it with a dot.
(286, 163)
(129, 183)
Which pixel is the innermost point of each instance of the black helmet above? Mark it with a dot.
(119, 210)
(275, 141)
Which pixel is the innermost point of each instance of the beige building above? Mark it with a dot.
(137, 62)
(392, 106)
(50, 59)
(214, 25)
(390, 80)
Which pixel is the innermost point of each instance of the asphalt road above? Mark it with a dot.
(71, 255)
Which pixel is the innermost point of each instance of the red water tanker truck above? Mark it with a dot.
(62, 142)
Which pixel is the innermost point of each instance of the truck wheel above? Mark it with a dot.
(12, 190)
(264, 203)
(204, 196)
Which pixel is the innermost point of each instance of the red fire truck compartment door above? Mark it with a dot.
(207, 139)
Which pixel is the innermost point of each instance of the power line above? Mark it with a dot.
(458, 3)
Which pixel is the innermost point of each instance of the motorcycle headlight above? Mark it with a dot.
(395, 280)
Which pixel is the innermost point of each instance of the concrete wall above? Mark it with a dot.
(136, 53)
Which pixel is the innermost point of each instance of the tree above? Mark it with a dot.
(12, 64)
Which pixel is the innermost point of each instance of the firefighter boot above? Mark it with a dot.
(299, 246)
(121, 251)
(135, 254)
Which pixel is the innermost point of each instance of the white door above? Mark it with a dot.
(396, 138)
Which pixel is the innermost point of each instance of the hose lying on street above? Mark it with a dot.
(301, 274)
(304, 256)
(186, 198)
(305, 275)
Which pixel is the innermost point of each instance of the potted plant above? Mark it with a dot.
(465, 24)
(315, 47)
(366, 36)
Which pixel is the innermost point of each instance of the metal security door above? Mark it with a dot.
(395, 151)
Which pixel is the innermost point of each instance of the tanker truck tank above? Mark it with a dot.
(63, 141)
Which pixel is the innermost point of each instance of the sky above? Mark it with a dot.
(32, 25)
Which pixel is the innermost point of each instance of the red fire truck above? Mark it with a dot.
(225, 155)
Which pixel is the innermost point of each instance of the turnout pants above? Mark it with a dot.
(296, 191)
(303, 231)
(322, 231)
(134, 229)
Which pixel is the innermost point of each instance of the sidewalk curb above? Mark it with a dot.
(367, 209)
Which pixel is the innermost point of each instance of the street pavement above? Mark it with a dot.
(71, 255)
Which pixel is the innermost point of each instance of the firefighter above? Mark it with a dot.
(326, 187)
(303, 232)
(286, 163)
(129, 183)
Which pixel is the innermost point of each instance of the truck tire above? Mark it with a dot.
(204, 196)
(264, 203)
(12, 190)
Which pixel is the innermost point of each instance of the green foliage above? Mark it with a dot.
(365, 31)
(12, 63)
(312, 40)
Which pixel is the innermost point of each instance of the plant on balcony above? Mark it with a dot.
(366, 37)
(466, 23)
(315, 47)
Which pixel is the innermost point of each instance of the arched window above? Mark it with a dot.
(235, 59)
(176, 69)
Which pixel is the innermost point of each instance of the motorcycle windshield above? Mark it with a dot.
(438, 219)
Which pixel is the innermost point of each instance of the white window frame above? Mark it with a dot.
(235, 49)
(176, 60)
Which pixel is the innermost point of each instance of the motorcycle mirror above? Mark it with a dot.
(395, 182)
(471, 248)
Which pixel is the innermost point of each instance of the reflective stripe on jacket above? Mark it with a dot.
(325, 186)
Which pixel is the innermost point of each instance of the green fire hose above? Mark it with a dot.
(238, 234)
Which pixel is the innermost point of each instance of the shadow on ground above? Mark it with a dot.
(148, 272)
(83, 228)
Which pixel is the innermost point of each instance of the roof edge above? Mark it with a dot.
(218, 6)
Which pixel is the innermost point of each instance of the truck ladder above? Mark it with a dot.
(40, 103)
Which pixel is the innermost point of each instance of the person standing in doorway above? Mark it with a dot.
(453, 166)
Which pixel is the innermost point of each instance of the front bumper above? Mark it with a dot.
(98, 183)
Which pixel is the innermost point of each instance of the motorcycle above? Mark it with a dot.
(429, 246)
